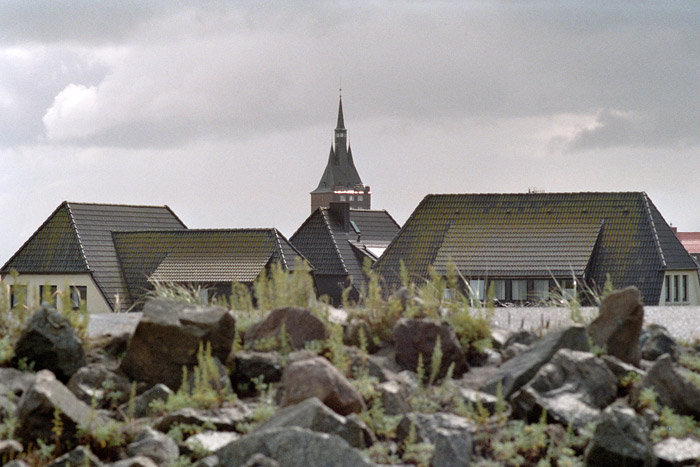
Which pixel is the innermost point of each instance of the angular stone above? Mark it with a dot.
(573, 388)
(619, 325)
(138, 461)
(169, 336)
(211, 441)
(452, 436)
(142, 403)
(92, 381)
(46, 396)
(48, 341)
(249, 366)
(16, 463)
(517, 371)
(414, 337)
(316, 377)
(523, 337)
(157, 446)
(394, 398)
(293, 447)
(621, 438)
(655, 341)
(673, 387)
(474, 397)
(300, 326)
(209, 461)
(258, 460)
(674, 452)
(224, 419)
(78, 457)
(313, 415)
(620, 368)
(512, 350)
(15, 381)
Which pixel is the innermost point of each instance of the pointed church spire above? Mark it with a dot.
(341, 121)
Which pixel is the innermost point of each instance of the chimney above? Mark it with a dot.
(341, 212)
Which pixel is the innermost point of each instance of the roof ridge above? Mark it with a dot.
(278, 245)
(77, 234)
(650, 218)
(335, 244)
(521, 193)
(124, 205)
(242, 229)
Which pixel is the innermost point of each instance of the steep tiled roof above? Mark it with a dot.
(333, 250)
(632, 241)
(77, 238)
(205, 256)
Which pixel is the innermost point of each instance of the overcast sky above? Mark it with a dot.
(225, 110)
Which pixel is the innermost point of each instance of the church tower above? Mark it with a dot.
(340, 182)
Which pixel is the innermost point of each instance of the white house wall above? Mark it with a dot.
(693, 288)
(95, 301)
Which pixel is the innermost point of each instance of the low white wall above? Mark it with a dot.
(95, 301)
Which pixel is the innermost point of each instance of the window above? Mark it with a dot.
(518, 290)
(449, 294)
(342, 197)
(350, 198)
(675, 288)
(48, 294)
(477, 288)
(684, 287)
(568, 288)
(78, 296)
(18, 295)
(540, 289)
(359, 197)
(499, 289)
(668, 288)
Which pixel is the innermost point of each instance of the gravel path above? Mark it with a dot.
(682, 321)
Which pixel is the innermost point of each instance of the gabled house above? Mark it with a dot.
(210, 259)
(337, 240)
(530, 247)
(691, 242)
(74, 247)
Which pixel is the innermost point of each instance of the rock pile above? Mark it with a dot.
(286, 394)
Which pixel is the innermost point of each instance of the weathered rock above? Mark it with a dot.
(78, 457)
(249, 366)
(211, 441)
(619, 325)
(673, 387)
(475, 398)
(15, 381)
(35, 411)
(394, 398)
(9, 448)
(258, 460)
(158, 447)
(48, 341)
(159, 392)
(293, 447)
(209, 461)
(316, 377)
(674, 452)
(513, 350)
(655, 341)
(169, 336)
(499, 337)
(224, 419)
(451, 435)
(620, 438)
(299, 325)
(313, 415)
(523, 337)
(414, 337)
(15, 463)
(573, 388)
(517, 371)
(138, 461)
(382, 367)
(97, 382)
(620, 368)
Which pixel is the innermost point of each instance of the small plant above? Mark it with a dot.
(435, 362)
(672, 425)
(415, 452)
(648, 399)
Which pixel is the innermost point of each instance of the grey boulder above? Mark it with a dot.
(619, 325)
(673, 387)
(157, 446)
(49, 342)
(298, 324)
(452, 436)
(169, 336)
(293, 447)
